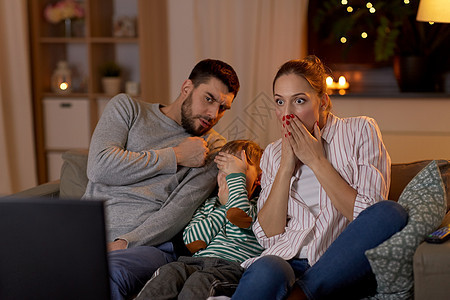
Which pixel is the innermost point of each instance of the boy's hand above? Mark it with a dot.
(229, 163)
(223, 188)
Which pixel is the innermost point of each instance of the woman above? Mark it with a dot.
(321, 202)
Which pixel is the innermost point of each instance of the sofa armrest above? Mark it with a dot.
(49, 189)
(432, 271)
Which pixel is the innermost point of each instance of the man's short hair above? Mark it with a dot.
(207, 68)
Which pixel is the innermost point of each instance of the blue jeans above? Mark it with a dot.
(130, 269)
(343, 271)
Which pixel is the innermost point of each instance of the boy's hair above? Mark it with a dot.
(252, 150)
(207, 68)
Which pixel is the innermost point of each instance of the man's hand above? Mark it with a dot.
(117, 245)
(191, 152)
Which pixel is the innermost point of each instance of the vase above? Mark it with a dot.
(413, 74)
(68, 27)
(111, 85)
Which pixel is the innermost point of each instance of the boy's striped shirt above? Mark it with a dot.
(224, 239)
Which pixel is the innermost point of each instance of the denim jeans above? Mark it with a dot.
(343, 271)
(130, 269)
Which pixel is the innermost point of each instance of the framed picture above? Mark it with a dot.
(125, 26)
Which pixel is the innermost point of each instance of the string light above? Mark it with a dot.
(406, 1)
(369, 5)
(364, 35)
(344, 2)
(343, 40)
(349, 9)
(372, 10)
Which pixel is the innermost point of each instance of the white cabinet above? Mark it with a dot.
(66, 123)
(66, 126)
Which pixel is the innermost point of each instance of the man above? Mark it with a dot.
(152, 165)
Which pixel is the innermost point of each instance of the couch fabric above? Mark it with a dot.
(392, 261)
(431, 262)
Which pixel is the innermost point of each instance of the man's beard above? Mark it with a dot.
(188, 120)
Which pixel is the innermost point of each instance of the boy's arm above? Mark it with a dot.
(206, 223)
(240, 210)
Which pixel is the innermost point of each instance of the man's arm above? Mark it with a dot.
(178, 209)
(110, 162)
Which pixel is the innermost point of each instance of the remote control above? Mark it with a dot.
(439, 236)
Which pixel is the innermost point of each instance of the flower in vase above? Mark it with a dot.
(64, 9)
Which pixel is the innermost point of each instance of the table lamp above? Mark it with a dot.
(434, 11)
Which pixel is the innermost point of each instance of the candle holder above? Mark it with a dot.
(61, 80)
(340, 87)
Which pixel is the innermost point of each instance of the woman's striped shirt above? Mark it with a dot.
(355, 149)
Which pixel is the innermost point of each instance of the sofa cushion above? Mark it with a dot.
(425, 201)
(73, 179)
(402, 173)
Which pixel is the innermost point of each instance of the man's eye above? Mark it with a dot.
(209, 99)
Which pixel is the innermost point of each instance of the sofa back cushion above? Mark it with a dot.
(402, 173)
(73, 174)
(74, 178)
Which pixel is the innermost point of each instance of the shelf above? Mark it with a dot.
(62, 40)
(71, 95)
(113, 40)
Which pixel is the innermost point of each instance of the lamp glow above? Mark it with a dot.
(434, 11)
(349, 9)
(63, 86)
(343, 40)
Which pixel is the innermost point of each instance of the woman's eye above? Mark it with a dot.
(279, 101)
(299, 101)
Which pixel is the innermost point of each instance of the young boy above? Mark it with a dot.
(219, 235)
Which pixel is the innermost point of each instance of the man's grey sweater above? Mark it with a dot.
(132, 166)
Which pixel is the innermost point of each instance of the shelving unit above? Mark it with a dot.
(93, 45)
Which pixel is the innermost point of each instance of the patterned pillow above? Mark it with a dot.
(392, 261)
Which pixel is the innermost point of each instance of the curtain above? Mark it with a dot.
(17, 156)
(255, 37)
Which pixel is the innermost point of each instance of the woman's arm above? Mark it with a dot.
(309, 150)
(272, 216)
(370, 170)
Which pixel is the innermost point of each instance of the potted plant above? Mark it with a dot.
(111, 80)
(395, 36)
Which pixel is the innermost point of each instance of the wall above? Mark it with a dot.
(413, 128)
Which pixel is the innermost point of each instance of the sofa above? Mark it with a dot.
(431, 262)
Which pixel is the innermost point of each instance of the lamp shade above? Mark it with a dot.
(434, 11)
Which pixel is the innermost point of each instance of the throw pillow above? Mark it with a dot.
(392, 261)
